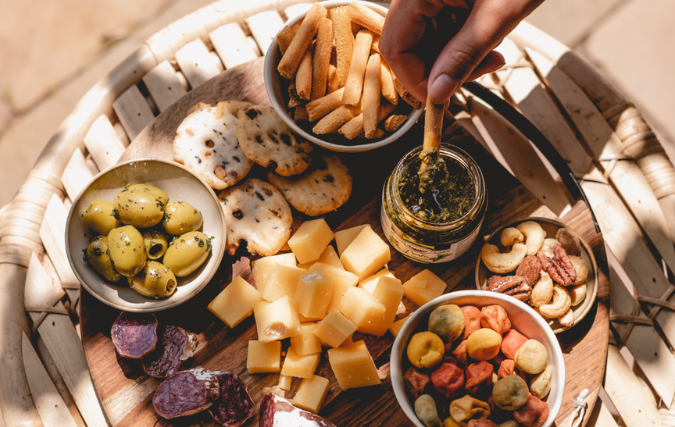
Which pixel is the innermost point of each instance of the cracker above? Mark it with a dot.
(238, 106)
(256, 212)
(267, 139)
(324, 187)
(206, 142)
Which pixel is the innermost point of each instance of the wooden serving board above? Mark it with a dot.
(126, 392)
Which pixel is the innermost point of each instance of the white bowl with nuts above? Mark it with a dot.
(543, 263)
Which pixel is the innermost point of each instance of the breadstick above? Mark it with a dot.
(321, 60)
(388, 90)
(322, 106)
(335, 119)
(333, 83)
(376, 45)
(354, 127)
(379, 133)
(393, 122)
(301, 113)
(293, 98)
(344, 41)
(296, 50)
(357, 68)
(366, 17)
(372, 88)
(407, 97)
(284, 38)
(303, 79)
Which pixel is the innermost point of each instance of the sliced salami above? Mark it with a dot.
(134, 334)
(177, 345)
(186, 393)
(234, 406)
(276, 411)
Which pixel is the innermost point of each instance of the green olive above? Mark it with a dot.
(187, 252)
(155, 243)
(181, 217)
(147, 188)
(99, 217)
(127, 250)
(155, 280)
(98, 257)
(138, 208)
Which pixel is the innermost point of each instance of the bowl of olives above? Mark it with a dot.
(145, 235)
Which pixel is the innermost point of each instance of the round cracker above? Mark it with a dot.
(206, 142)
(324, 187)
(240, 106)
(255, 211)
(267, 139)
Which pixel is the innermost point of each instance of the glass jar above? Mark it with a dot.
(429, 242)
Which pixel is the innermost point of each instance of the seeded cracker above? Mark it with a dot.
(267, 139)
(206, 142)
(256, 212)
(324, 187)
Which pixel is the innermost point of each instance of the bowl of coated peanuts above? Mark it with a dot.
(326, 79)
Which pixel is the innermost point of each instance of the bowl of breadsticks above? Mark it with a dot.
(325, 77)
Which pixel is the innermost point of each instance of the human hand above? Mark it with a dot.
(457, 50)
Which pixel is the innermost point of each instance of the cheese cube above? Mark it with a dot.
(369, 283)
(313, 294)
(342, 281)
(282, 281)
(389, 292)
(304, 319)
(329, 256)
(285, 382)
(311, 394)
(235, 303)
(395, 328)
(263, 267)
(423, 287)
(310, 240)
(353, 367)
(276, 320)
(334, 329)
(362, 308)
(263, 357)
(300, 366)
(366, 254)
(347, 341)
(306, 342)
(344, 237)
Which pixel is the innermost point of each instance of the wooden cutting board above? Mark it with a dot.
(126, 392)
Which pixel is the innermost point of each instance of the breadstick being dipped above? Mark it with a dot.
(289, 63)
(433, 129)
(322, 106)
(321, 61)
(357, 69)
(344, 41)
(366, 17)
(335, 119)
(284, 38)
(372, 88)
(303, 79)
(388, 89)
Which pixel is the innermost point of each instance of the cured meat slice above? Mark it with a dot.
(234, 406)
(276, 411)
(186, 393)
(177, 345)
(134, 334)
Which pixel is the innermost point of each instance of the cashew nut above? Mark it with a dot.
(580, 267)
(568, 319)
(534, 236)
(502, 263)
(546, 247)
(558, 307)
(577, 294)
(568, 241)
(510, 236)
(542, 291)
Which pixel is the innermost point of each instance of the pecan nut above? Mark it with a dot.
(530, 269)
(502, 284)
(560, 268)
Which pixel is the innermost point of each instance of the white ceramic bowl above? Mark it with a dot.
(274, 92)
(522, 317)
(180, 185)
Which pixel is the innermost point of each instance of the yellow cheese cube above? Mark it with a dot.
(342, 281)
(276, 320)
(306, 342)
(263, 357)
(334, 329)
(344, 237)
(423, 287)
(369, 283)
(395, 328)
(311, 394)
(389, 292)
(353, 367)
(366, 254)
(313, 294)
(329, 256)
(282, 281)
(310, 240)
(235, 303)
(285, 382)
(304, 319)
(347, 341)
(362, 308)
(300, 366)
(263, 267)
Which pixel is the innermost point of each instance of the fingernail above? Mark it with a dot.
(442, 88)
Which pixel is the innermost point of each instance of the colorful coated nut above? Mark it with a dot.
(127, 250)
(99, 218)
(540, 384)
(482, 423)
(155, 244)
(511, 342)
(495, 318)
(98, 257)
(509, 423)
(425, 409)
(531, 357)
(187, 253)
(460, 354)
(447, 321)
(508, 367)
(448, 380)
(510, 393)
(533, 414)
(478, 374)
(416, 382)
(449, 422)
(468, 408)
(483, 344)
(181, 217)
(471, 320)
(154, 281)
(425, 350)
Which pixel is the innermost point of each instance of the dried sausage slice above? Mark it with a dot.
(186, 393)
(276, 411)
(234, 406)
(134, 334)
(177, 345)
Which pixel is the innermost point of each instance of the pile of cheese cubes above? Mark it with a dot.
(319, 302)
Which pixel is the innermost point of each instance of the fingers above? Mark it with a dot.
(493, 61)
